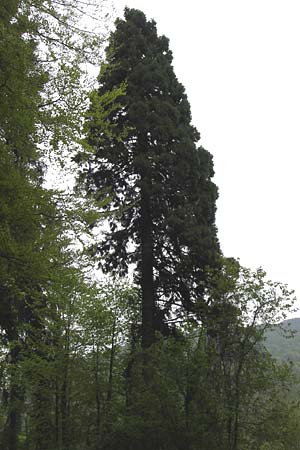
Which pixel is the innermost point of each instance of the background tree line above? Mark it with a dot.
(173, 359)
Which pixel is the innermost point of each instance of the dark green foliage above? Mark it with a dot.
(159, 181)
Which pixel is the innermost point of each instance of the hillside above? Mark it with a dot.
(283, 347)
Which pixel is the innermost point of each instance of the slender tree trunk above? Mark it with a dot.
(64, 403)
(229, 431)
(64, 413)
(236, 414)
(57, 417)
(98, 399)
(111, 361)
(187, 406)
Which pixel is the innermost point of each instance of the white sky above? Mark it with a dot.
(239, 62)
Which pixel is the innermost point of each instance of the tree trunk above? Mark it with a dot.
(15, 399)
(98, 399)
(111, 362)
(13, 419)
(64, 414)
(65, 407)
(42, 430)
(147, 284)
(58, 437)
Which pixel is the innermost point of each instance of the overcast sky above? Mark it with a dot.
(239, 62)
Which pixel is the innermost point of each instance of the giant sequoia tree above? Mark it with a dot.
(162, 213)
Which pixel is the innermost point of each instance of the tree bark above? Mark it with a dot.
(147, 282)
(65, 407)
(58, 437)
(98, 399)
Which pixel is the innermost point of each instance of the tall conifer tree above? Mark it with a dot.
(146, 159)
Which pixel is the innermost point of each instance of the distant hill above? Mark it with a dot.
(282, 347)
